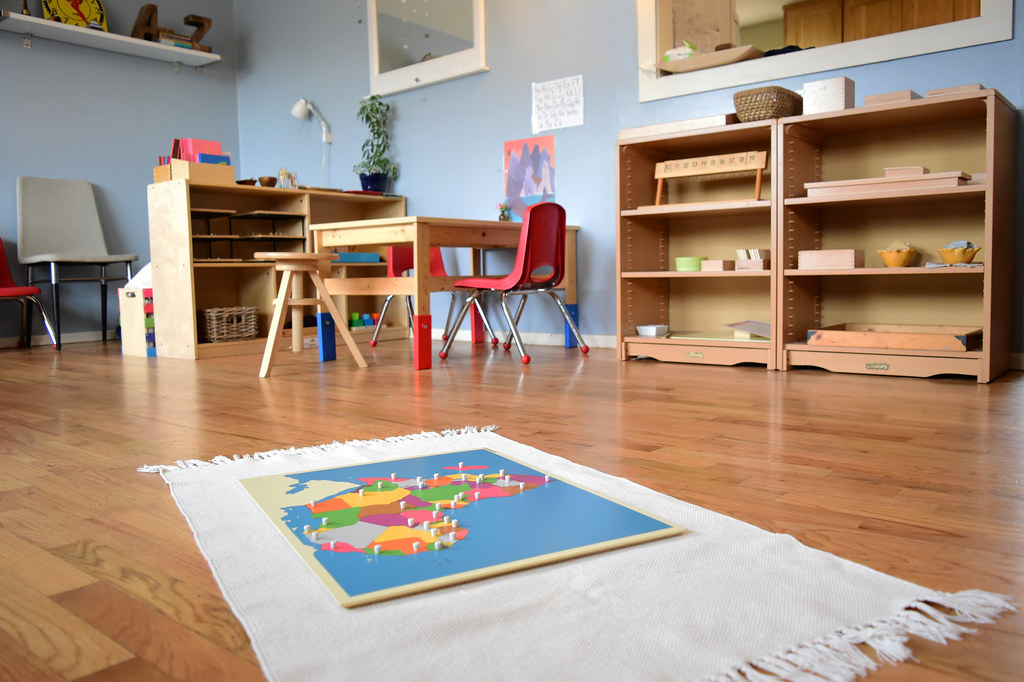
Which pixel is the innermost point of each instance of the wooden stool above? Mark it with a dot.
(290, 264)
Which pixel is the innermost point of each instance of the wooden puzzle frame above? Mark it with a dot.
(524, 518)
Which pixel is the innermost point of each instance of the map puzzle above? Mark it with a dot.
(387, 529)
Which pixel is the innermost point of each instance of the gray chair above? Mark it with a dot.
(59, 225)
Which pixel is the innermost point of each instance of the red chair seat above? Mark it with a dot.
(18, 292)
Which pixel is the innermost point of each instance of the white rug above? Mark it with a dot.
(726, 602)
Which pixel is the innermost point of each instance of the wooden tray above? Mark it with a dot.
(899, 336)
(889, 183)
(706, 60)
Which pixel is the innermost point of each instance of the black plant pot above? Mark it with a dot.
(374, 182)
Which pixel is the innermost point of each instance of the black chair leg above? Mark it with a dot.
(55, 294)
(103, 307)
(26, 323)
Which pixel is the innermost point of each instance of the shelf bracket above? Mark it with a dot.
(26, 40)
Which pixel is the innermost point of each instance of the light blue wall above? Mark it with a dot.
(75, 112)
(448, 137)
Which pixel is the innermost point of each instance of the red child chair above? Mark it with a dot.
(9, 291)
(400, 261)
(539, 267)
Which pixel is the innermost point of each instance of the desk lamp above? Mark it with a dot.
(304, 108)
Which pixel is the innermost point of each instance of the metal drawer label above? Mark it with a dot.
(884, 366)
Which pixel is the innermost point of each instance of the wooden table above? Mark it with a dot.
(423, 233)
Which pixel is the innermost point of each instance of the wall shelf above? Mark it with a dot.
(101, 40)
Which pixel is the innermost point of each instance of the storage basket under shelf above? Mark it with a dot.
(768, 102)
(236, 323)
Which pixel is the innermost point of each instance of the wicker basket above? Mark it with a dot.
(770, 102)
(230, 324)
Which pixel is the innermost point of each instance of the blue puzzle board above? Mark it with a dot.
(387, 529)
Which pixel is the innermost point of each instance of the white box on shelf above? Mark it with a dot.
(831, 94)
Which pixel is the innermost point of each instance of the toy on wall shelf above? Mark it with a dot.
(147, 27)
(87, 13)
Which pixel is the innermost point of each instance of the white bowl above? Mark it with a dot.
(652, 329)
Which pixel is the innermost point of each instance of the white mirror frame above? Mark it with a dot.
(446, 68)
(995, 24)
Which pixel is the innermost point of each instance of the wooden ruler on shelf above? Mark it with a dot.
(719, 164)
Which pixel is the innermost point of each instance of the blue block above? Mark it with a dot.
(574, 313)
(325, 337)
(356, 257)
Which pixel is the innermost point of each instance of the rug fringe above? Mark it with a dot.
(939, 618)
(223, 459)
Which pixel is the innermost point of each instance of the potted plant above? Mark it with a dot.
(375, 169)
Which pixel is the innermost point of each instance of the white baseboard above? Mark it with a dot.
(538, 338)
(73, 337)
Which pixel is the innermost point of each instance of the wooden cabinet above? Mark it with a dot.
(971, 131)
(202, 241)
(921, 13)
(813, 23)
(867, 18)
(706, 216)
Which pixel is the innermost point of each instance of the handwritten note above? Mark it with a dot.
(557, 104)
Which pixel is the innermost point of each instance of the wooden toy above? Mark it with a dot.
(830, 259)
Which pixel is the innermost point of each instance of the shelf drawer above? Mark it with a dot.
(705, 355)
(894, 365)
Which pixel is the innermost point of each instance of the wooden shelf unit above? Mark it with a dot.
(30, 27)
(202, 241)
(970, 131)
(709, 216)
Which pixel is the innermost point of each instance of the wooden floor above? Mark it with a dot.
(100, 577)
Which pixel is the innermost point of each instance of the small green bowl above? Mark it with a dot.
(689, 263)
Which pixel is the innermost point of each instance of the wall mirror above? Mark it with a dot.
(415, 43)
(746, 21)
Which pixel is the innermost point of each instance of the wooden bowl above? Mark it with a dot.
(959, 254)
(249, 181)
(897, 258)
(268, 181)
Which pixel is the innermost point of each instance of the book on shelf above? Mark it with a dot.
(175, 39)
(189, 149)
(219, 159)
